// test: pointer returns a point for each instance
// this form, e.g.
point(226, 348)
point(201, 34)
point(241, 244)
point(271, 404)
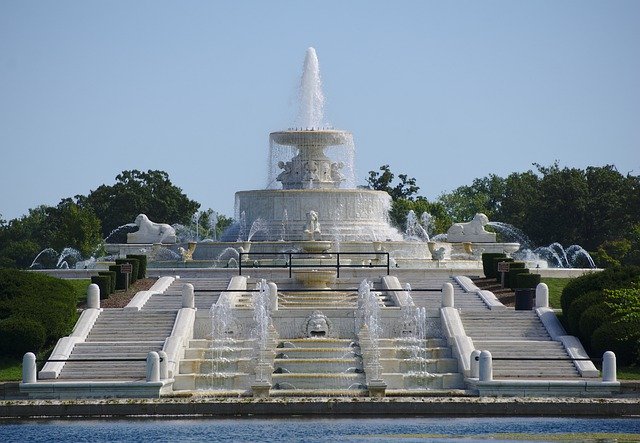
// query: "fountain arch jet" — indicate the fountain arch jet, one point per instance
point(311, 169)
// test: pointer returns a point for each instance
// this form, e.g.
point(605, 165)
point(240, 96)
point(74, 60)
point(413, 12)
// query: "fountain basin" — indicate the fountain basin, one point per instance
point(315, 278)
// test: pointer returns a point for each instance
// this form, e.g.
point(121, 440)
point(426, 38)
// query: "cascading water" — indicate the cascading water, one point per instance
point(262, 319)
point(222, 322)
point(414, 230)
point(242, 221)
point(369, 313)
point(258, 225)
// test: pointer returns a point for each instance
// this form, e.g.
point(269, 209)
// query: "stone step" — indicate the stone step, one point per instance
point(219, 365)
point(225, 381)
point(318, 381)
point(428, 381)
point(434, 366)
point(316, 343)
point(318, 365)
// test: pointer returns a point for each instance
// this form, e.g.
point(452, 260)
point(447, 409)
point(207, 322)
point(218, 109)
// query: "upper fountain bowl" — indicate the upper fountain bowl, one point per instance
point(311, 137)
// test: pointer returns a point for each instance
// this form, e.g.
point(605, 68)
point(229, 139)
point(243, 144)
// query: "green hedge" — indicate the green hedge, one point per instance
point(122, 279)
point(21, 335)
point(516, 267)
point(526, 280)
point(578, 306)
point(591, 319)
point(104, 283)
point(112, 277)
point(142, 262)
point(34, 298)
point(487, 263)
point(622, 337)
point(610, 278)
point(135, 267)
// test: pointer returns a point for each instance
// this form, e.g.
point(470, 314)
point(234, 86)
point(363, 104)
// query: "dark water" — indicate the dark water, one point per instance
point(308, 430)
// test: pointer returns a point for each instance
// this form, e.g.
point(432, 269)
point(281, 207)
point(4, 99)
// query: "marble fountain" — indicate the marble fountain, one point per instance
point(396, 317)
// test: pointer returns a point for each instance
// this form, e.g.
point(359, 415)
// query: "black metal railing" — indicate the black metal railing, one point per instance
point(290, 257)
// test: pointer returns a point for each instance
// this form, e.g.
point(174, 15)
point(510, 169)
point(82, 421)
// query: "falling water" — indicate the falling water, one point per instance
point(258, 225)
point(512, 234)
point(285, 225)
point(428, 222)
point(261, 317)
point(414, 230)
point(222, 321)
point(311, 100)
point(369, 310)
point(195, 219)
point(68, 253)
point(243, 227)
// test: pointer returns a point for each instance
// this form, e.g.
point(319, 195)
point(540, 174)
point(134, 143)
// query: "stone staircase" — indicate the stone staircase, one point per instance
point(432, 300)
point(412, 364)
point(206, 291)
point(119, 334)
point(318, 366)
point(517, 334)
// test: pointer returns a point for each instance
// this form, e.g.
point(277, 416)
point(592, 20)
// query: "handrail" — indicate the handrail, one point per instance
point(542, 358)
point(289, 263)
point(63, 360)
point(326, 290)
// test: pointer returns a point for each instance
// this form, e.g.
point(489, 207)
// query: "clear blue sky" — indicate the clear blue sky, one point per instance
point(442, 91)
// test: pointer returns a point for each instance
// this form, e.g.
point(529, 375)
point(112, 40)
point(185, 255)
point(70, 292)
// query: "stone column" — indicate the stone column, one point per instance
point(29, 368)
point(609, 367)
point(93, 296)
point(153, 367)
point(188, 297)
point(447, 295)
point(542, 296)
point(486, 366)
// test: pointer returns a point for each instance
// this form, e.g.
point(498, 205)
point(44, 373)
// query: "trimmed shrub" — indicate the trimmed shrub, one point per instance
point(46, 300)
point(122, 279)
point(487, 263)
point(527, 280)
point(515, 267)
point(104, 283)
point(112, 277)
point(142, 261)
point(611, 278)
point(135, 266)
point(576, 309)
point(19, 335)
point(622, 337)
point(591, 319)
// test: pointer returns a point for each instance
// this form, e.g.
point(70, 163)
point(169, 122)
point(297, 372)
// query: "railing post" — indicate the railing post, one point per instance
point(388, 267)
point(542, 295)
point(290, 263)
point(485, 372)
point(188, 297)
point(273, 296)
point(609, 366)
point(93, 296)
point(240, 254)
point(153, 367)
point(338, 265)
point(474, 364)
point(29, 368)
point(447, 295)
point(164, 365)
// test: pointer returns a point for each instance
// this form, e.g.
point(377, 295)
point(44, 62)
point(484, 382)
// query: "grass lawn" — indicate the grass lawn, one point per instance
point(10, 369)
point(556, 285)
point(80, 285)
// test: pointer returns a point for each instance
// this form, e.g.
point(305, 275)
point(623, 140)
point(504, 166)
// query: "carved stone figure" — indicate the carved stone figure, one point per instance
point(317, 325)
point(472, 231)
point(150, 232)
point(312, 227)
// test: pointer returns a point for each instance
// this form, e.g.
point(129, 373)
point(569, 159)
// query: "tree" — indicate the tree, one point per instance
point(406, 189)
point(483, 195)
point(135, 192)
point(59, 227)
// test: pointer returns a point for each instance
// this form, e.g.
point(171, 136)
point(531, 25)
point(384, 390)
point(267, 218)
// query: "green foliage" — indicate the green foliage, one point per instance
point(591, 319)
point(401, 207)
point(611, 278)
point(49, 301)
point(484, 195)
point(622, 337)
point(555, 285)
point(122, 281)
point(135, 192)
point(66, 225)
point(382, 181)
point(578, 306)
point(20, 335)
point(104, 282)
point(135, 267)
point(527, 280)
point(142, 264)
point(488, 263)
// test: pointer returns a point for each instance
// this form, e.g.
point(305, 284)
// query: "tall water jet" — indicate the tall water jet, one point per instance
point(310, 96)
